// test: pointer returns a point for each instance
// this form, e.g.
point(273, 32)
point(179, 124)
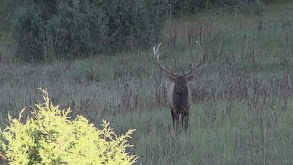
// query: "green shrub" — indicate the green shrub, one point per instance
point(180, 7)
point(191, 6)
point(50, 29)
point(49, 137)
point(254, 7)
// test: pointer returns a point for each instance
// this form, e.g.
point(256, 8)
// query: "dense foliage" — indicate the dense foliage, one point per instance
point(6, 8)
point(55, 28)
point(192, 6)
point(49, 29)
point(49, 137)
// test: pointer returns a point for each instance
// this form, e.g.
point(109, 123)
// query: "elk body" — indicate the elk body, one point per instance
point(179, 95)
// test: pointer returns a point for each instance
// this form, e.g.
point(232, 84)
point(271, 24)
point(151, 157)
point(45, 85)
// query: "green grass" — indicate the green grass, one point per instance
point(242, 136)
point(242, 94)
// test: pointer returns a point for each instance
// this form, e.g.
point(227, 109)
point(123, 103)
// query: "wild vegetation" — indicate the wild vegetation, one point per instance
point(50, 137)
point(242, 94)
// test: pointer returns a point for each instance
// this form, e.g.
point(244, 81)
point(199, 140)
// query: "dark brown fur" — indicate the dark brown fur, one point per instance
point(179, 100)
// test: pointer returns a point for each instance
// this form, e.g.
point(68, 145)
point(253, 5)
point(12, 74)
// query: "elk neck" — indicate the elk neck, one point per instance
point(180, 98)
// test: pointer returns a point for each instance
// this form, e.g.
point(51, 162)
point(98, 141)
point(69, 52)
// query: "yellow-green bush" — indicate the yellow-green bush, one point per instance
point(49, 137)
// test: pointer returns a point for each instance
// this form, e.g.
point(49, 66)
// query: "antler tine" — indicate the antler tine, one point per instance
point(157, 55)
point(200, 59)
point(173, 73)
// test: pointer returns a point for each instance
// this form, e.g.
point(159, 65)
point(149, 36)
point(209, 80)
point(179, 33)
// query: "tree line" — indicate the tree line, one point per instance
point(50, 29)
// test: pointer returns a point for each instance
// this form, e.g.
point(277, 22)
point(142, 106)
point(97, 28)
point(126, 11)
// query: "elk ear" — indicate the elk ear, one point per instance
point(189, 78)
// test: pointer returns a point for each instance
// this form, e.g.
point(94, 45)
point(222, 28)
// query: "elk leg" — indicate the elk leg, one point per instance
point(185, 119)
point(175, 117)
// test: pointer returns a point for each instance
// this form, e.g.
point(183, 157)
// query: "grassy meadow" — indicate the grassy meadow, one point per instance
point(242, 107)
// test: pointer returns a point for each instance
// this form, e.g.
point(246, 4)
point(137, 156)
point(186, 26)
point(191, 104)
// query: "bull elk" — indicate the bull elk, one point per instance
point(179, 95)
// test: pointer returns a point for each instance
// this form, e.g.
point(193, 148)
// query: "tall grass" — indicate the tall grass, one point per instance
point(242, 94)
point(216, 135)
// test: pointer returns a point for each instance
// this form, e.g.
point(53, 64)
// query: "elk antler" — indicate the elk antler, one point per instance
point(157, 55)
point(200, 59)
